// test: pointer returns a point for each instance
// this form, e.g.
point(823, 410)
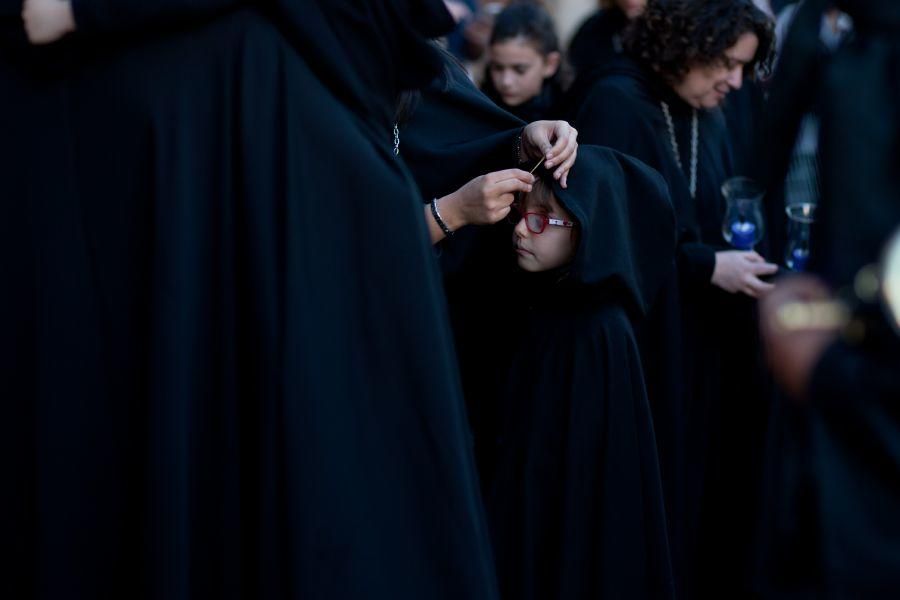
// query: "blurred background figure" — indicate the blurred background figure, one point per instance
point(792, 207)
point(600, 36)
point(834, 530)
point(524, 72)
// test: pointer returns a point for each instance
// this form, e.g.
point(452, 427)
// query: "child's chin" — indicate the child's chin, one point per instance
point(526, 263)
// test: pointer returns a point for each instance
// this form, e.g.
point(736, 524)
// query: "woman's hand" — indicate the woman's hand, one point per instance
point(47, 21)
point(484, 200)
point(738, 271)
point(556, 142)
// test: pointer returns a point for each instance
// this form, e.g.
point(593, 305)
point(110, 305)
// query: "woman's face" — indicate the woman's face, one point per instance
point(518, 70)
point(705, 86)
point(550, 249)
point(632, 8)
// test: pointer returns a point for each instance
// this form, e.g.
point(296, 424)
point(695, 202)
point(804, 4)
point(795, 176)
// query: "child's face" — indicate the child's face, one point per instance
point(518, 70)
point(552, 248)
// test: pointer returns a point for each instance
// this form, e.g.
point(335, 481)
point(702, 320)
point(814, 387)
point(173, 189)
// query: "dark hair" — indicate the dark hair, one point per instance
point(532, 23)
point(672, 36)
point(527, 21)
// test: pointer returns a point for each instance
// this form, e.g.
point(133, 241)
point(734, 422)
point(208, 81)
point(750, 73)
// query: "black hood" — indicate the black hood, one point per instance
point(626, 226)
point(369, 50)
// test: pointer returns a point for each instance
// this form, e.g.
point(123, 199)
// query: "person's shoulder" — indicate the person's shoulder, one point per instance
point(618, 85)
point(617, 95)
point(620, 78)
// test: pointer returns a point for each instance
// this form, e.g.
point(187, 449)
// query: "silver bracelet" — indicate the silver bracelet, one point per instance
point(437, 218)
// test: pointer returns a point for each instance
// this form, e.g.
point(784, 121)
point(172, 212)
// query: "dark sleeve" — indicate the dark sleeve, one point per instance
point(126, 15)
point(696, 262)
point(455, 134)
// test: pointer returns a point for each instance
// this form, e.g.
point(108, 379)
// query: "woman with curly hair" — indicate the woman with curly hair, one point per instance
point(660, 101)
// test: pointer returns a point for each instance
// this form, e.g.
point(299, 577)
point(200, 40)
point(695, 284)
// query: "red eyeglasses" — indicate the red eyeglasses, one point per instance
point(537, 222)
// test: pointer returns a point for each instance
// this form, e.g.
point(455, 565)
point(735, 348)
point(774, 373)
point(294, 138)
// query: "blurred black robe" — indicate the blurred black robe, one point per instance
point(232, 373)
point(833, 530)
point(598, 40)
point(699, 344)
point(576, 509)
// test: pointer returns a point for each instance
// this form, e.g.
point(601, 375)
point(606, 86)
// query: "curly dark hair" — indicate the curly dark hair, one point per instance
point(672, 36)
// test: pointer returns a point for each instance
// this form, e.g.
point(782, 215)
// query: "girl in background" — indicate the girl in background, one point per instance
point(524, 72)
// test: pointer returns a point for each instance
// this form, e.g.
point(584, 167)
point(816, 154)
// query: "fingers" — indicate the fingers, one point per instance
point(763, 268)
point(501, 214)
point(755, 288)
point(509, 186)
point(509, 174)
point(564, 145)
point(754, 257)
point(536, 137)
point(562, 173)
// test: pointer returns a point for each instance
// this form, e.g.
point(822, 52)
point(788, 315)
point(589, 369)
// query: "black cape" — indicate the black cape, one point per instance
point(541, 107)
point(233, 374)
point(576, 508)
point(455, 134)
point(699, 344)
point(833, 530)
point(598, 40)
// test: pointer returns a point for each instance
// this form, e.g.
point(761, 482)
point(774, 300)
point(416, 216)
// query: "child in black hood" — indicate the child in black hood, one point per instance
point(576, 507)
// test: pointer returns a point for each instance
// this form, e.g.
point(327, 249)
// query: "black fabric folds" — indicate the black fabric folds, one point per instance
point(597, 40)
point(454, 135)
point(576, 508)
point(840, 518)
point(699, 344)
point(232, 373)
point(627, 232)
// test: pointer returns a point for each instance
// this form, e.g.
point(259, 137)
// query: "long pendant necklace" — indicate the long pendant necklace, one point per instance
point(396, 139)
point(695, 138)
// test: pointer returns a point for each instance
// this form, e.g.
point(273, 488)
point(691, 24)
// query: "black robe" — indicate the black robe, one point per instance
point(233, 374)
point(542, 107)
point(455, 133)
point(834, 531)
point(576, 509)
point(598, 40)
point(703, 367)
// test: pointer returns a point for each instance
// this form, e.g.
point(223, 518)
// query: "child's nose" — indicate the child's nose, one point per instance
point(521, 229)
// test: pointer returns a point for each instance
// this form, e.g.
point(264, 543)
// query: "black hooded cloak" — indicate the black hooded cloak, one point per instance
point(576, 508)
point(700, 347)
point(233, 374)
point(454, 134)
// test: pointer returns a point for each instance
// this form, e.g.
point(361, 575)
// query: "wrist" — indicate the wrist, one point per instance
point(448, 208)
point(438, 217)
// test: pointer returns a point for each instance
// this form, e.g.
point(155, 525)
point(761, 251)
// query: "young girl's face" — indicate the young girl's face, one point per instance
point(552, 248)
point(518, 70)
